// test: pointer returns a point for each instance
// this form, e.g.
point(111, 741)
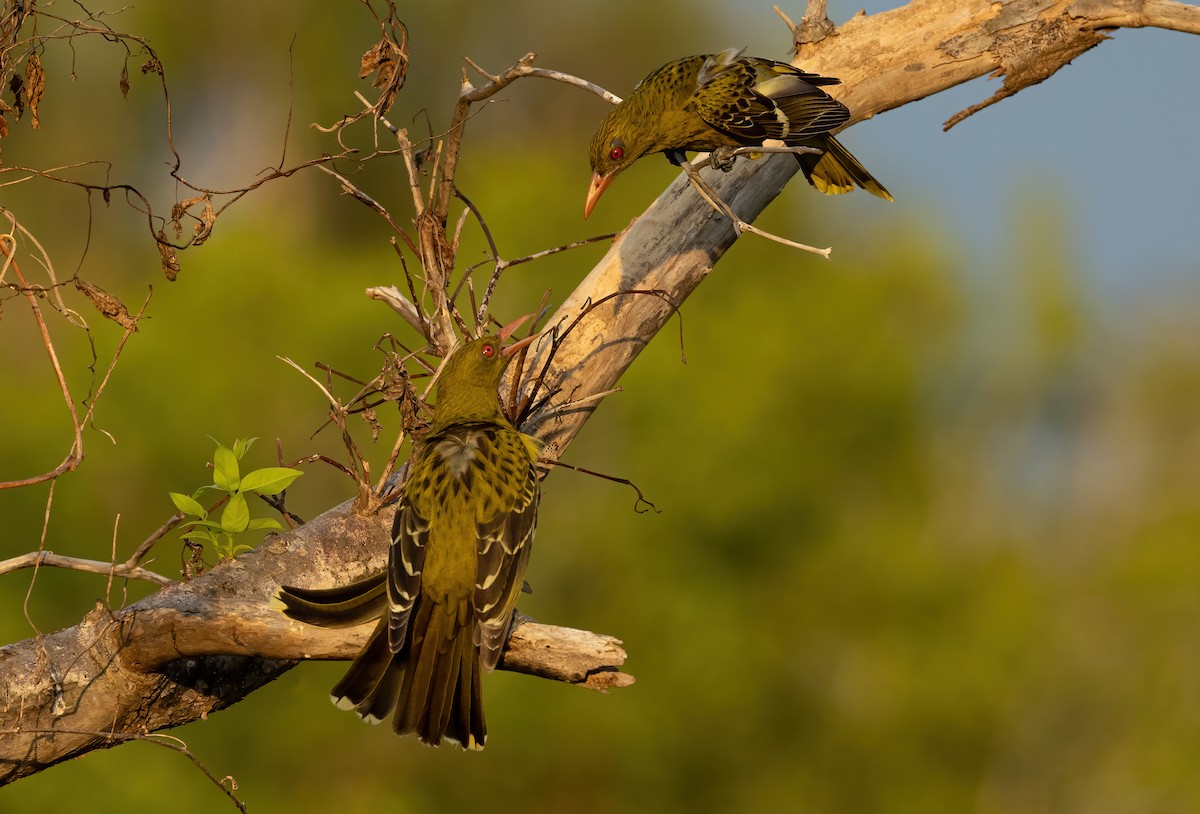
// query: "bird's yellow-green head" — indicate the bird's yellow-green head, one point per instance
point(467, 386)
point(618, 142)
point(658, 116)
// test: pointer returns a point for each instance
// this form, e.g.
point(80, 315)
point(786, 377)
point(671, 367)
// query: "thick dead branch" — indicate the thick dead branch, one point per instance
point(199, 626)
point(197, 647)
point(895, 57)
point(670, 249)
point(1168, 14)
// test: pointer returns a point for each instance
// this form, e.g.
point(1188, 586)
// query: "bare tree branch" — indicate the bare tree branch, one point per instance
point(124, 570)
point(197, 647)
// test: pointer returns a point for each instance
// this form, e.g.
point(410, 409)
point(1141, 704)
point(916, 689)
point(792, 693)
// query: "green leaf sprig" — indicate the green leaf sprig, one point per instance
point(220, 534)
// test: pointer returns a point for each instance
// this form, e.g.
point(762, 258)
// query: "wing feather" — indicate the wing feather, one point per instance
point(752, 100)
point(406, 560)
point(505, 527)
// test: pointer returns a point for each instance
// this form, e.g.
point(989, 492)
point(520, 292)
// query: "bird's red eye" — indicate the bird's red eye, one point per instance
point(616, 153)
point(488, 350)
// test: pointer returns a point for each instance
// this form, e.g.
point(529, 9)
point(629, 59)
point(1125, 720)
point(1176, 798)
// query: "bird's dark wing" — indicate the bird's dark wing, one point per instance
point(505, 526)
point(406, 559)
point(752, 100)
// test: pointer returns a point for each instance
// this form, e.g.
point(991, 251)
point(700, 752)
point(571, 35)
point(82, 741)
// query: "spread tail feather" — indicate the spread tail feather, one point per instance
point(349, 605)
point(441, 695)
point(433, 683)
point(371, 684)
point(836, 171)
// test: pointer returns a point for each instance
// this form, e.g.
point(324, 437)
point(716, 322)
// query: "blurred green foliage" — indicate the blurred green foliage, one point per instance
point(929, 521)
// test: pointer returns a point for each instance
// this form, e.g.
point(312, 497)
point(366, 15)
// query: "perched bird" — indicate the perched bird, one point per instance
point(727, 100)
point(460, 542)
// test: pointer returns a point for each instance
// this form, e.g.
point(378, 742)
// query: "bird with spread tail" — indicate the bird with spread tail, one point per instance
point(728, 100)
point(460, 543)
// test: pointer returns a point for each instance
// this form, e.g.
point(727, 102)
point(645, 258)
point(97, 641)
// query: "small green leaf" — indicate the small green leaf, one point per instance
point(263, 523)
point(236, 515)
point(225, 469)
point(200, 534)
point(242, 445)
point(188, 505)
point(208, 524)
point(269, 481)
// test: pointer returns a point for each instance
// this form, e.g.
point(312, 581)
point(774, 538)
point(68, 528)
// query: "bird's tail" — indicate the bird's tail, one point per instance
point(836, 171)
point(370, 686)
point(441, 695)
point(432, 684)
point(346, 606)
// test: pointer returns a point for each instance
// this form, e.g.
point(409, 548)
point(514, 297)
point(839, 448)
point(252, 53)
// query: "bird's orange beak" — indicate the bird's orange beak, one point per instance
point(511, 328)
point(599, 184)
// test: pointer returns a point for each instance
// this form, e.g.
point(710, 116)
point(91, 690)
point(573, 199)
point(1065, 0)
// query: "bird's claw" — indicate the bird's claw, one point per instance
point(722, 158)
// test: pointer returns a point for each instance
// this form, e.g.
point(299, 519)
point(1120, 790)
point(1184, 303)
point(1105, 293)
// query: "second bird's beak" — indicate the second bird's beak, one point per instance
point(599, 184)
point(511, 328)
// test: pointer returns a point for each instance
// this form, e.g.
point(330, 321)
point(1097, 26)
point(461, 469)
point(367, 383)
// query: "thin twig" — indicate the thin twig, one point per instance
point(156, 535)
point(531, 405)
point(765, 149)
point(128, 332)
point(361, 469)
point(547, 252)
point(353, 191)
point(75, 455)
point(471, 94)
point(155, 738)
point(35, 559)
point(576, 403)
point(640, 497)
point(714, 200)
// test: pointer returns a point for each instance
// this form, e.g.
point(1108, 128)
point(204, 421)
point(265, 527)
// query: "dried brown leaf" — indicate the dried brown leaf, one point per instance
point(107, 304)
point(35, 86)
point(389, 62)
point(15, 86)
point(372, 419)
point(180, 209)
point(170, 261)
point(374, 57)
point(208, 217)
